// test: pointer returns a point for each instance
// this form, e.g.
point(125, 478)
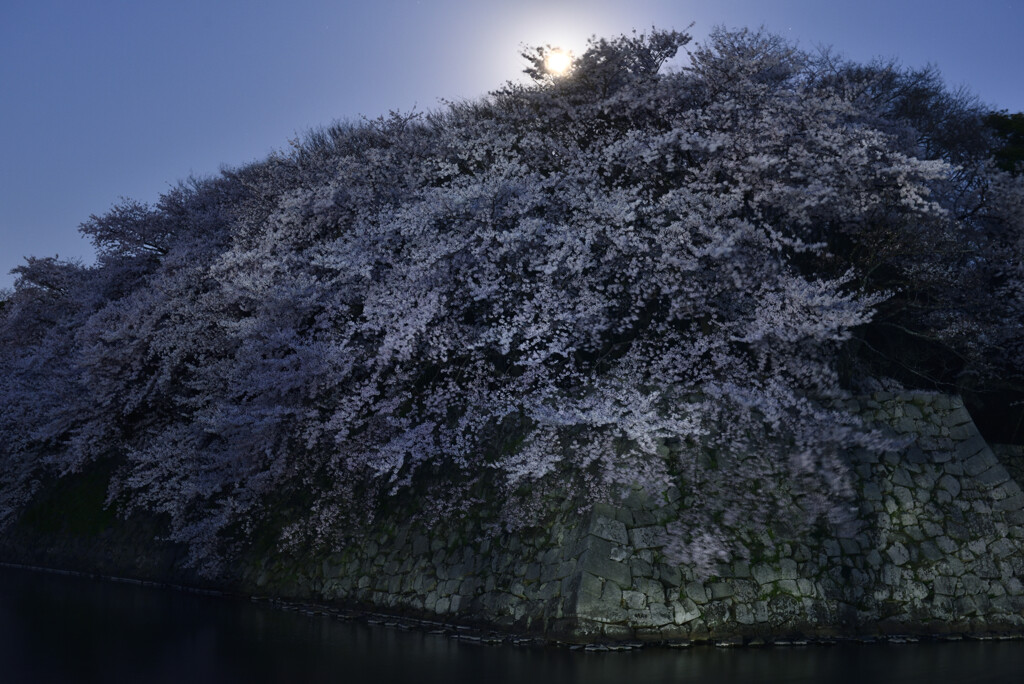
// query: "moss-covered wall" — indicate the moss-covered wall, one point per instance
point(939, 549)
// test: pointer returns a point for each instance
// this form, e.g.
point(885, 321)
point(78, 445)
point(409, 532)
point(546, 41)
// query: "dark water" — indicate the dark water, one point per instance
point(56, 628)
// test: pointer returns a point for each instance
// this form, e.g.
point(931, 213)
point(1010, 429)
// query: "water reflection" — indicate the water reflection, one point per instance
point(56, 628)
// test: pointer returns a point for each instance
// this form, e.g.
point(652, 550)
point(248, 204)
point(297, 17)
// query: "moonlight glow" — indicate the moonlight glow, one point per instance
point(557, 62)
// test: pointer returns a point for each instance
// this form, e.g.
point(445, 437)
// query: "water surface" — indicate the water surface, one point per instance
point(59, 628)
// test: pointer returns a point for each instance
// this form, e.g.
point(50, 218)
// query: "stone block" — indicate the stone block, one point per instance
point(647, 537)
point(958, 416)
point(972, 584)
point(744, 615)
point(620, 553)
point(684, 611)
point(850, 546)
point(640, 618)
point(904, 497)
point(977, 457)
point(603, 566)
point(566, 568)
point(590, 545)
point(945, 586)
point(954, 468)
point(1001, 548)
point(871, 492)
point(950, 484)
point(741, 570)
point(420, 545)
point(670, 575)
point(641, 568)
point(611, 594)
point(721, 590)
point(898, 553)
point(960, 432)
point(953, 566)
point(1011, 503)
point(788, 569)
point(588, 595)
point(550, 590)
point(977, 546)
point(610, 529)
point(765, 574)
point(996, 475)
point(926, 479)
point(470, 586)
point(931, 551)
point(906, 425)
point(761, 611)
point(945, 544)
point(653, 589)
point(901, 477)
point(634, 600)
point(965, 606)
point(1006, 490)
point(617, 632)
point(1013, 586)
point(661, 615)
point(552, 571)
point(644, 518)
point(696, 592)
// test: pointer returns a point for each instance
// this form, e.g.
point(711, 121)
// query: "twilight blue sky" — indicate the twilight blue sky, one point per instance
point(102, 99)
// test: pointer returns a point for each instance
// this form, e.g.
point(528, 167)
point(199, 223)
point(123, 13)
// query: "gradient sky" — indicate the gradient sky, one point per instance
point(103, 99)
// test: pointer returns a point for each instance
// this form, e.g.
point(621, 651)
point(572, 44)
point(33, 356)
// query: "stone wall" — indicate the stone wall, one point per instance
point(939, 550)
point(523, 582)
point(1011, 456)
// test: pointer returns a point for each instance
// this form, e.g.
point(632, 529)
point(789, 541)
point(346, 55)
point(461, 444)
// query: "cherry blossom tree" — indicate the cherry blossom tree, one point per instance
point(618, 278)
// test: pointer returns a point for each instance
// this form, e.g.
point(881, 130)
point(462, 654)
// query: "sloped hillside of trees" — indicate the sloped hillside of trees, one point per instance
point(624, 276)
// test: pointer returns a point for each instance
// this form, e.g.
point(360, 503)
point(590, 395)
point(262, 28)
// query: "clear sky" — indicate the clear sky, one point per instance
point(102, 99)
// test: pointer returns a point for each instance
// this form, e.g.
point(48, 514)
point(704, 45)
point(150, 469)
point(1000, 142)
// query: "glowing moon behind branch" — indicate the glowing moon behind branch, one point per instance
point(557, 62)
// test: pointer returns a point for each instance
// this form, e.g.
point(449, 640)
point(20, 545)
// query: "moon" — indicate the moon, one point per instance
point(557, 62)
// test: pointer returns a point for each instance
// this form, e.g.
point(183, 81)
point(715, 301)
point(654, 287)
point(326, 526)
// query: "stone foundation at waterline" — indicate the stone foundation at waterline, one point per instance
point(940, 550)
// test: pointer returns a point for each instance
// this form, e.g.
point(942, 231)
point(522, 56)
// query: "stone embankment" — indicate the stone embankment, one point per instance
point(939, 550)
